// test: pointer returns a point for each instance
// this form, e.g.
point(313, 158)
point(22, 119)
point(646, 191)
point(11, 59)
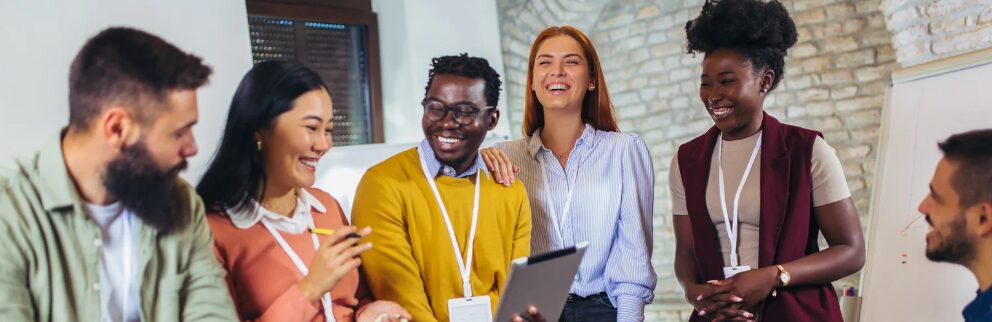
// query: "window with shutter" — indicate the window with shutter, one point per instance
point(340, 45)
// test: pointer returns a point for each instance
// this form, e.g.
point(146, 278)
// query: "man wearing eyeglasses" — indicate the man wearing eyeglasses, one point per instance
point(444, 232)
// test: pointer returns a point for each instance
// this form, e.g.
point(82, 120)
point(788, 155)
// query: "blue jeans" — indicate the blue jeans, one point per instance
point(593, 308)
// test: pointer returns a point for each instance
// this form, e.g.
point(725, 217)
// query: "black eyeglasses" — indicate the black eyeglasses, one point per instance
point(463, 113)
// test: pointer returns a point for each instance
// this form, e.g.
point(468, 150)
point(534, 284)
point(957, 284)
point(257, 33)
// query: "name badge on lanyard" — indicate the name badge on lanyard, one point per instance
point(325, 300)
point(468, 308)
point(732, 226)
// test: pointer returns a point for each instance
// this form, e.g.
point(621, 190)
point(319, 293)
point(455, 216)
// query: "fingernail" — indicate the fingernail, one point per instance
point(737, 299)
point(699, 298)
point(748, 315)
point(702, 313)
point(710, 281)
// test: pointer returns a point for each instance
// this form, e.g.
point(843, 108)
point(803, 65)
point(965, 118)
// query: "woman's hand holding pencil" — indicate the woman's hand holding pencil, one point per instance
point(336, 256)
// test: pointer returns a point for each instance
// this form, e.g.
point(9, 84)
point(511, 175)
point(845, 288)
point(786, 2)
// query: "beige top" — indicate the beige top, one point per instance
point(829, 185)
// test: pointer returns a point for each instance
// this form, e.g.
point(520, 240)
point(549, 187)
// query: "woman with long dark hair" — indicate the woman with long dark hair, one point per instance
point(751, 195)
point(266, 218)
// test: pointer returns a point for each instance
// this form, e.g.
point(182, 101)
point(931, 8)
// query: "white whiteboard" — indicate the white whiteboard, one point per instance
point(900, 284)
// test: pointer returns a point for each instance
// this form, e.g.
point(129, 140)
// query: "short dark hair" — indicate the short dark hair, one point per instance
point(466, 66)
point(237, 174)
point(972, 151)
point(762, 31)
point(130, 67)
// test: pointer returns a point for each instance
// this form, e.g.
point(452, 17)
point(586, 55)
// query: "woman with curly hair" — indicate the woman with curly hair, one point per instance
point(750, 195)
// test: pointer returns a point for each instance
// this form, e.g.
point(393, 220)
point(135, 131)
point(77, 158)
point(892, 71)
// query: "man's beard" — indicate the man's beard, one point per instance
point(152, 194)
point(955, 247)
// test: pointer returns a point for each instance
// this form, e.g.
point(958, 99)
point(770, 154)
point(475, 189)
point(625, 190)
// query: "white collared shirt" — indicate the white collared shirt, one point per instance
point(295, 224)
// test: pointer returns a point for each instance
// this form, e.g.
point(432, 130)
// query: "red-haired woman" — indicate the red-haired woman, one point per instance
point(586, 181)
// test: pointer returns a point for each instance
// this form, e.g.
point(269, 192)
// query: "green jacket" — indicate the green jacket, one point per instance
point(50, 253)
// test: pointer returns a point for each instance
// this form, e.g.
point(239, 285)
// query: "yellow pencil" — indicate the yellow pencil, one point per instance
point(322, 231)
point(325, 231)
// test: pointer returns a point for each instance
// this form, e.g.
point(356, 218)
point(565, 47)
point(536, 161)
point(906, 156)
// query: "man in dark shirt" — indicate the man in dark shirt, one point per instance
point(959, 211)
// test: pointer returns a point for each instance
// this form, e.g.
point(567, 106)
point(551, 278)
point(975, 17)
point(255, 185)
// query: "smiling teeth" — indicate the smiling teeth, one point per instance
point(554, 87)
point(447, 140)
point(312, 164)
point(721, 112)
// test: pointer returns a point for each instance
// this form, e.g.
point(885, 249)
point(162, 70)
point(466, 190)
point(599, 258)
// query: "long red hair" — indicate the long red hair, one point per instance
point(597, 109)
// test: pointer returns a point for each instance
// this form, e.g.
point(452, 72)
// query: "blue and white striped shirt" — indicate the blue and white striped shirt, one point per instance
point(612, 209)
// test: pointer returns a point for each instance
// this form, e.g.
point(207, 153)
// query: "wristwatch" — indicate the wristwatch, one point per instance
point(783, 276)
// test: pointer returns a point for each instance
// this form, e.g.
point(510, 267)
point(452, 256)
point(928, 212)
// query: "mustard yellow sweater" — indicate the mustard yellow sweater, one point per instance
point(411, 261)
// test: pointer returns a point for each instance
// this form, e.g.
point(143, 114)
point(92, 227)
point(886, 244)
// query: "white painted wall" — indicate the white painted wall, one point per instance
point(42, 37)
point(411, 32)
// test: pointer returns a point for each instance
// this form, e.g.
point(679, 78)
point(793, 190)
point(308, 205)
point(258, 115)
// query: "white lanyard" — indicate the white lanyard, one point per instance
point(325, 300)
point(732, 228)
point(128, 266)
point(553, 211)
point(464, 267)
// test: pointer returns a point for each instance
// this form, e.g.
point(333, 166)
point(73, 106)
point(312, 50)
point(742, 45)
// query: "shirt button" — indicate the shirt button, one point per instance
point(96, 287)
point(97, 242)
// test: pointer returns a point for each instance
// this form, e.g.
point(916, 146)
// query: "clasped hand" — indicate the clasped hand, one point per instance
point(733, 299)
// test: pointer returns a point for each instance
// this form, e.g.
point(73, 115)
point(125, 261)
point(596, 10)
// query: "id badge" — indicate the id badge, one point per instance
point(730, 271)
point(472, 309)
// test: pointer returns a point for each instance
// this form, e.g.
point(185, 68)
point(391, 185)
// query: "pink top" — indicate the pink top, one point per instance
point(262, 278)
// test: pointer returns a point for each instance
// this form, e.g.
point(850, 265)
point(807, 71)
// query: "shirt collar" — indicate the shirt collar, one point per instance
point(437, 168)
point(534, 144)
point(301, 220)
point(52, 176)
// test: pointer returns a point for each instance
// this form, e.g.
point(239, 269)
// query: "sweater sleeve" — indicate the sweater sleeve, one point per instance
point(392, 272)
point(521, 233)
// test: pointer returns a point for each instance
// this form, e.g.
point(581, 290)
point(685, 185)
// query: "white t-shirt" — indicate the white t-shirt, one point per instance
point(113, 219)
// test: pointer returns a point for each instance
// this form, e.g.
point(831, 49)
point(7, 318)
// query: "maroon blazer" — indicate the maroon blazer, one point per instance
point(788, 229)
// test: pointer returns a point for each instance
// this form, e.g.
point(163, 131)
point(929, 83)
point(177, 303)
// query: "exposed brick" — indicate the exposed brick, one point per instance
point(666, 49)
point(814, 94)
point(961, 42)
point(819, 109)
point(985, 18)
point(852, 26)
point(798, 82)
point(872, 73)
point(828, 29)
point(648, 12)
point(803, 50)
point(841, 44)
point(950, 7)
point(840, 10)
point(810, 16)
point(816, 63)
point(843, 92)
point(854, 152)
point(858, 58)
point(836, 77)
point(948, 25)
point(858, 104)
point(829, 123)
point(903, 17)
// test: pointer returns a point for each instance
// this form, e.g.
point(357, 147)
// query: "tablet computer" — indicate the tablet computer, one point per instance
point(542, 281)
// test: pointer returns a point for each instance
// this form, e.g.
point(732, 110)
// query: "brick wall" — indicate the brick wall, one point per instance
point(835, 82)
point(924, 31)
